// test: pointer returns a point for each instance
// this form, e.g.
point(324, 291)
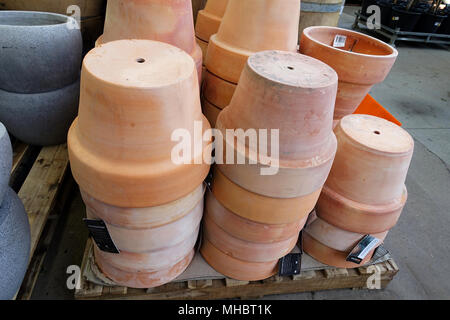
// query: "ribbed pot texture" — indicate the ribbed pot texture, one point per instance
point(363, 62)
point(167, 21)
point(134, 95)
point(209, 19)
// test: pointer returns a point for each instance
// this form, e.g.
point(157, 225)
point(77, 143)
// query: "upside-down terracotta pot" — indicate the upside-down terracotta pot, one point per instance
point(258, 208)
point(295, 95)
point(134, 95)
point(143, 279)
point(365, 191)
point(210, 111)
point(209, 19)
point(361, 63)
point(217, 91)
point(167, 21)
point(235, 268)
point(248, 230)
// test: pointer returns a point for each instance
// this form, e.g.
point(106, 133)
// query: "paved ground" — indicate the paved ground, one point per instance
point(417, 92)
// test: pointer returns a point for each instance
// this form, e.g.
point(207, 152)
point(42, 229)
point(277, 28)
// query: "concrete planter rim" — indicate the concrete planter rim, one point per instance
point(60, 19)
point(393, 54)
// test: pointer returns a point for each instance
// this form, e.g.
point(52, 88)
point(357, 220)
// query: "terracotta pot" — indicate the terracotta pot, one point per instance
point(218, 91)
point(167, 21)
point(362, 63)
point(329, 256)
point(246, 250)
point(204, 47)
point(141, 240)
point(246, 229)
point(210, 111)
point(248, 27)
point(259, 208)
point(209, 19)
point(151, 261)
point(143, 279)
point(120, 151)
point(294, 94)
point(235, 268)
point(334, 237)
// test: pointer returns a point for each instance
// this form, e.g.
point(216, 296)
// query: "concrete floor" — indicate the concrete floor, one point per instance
point(417, 92)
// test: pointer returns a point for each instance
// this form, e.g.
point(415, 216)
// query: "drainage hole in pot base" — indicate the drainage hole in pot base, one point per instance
point(140, 60)
point(290, 68)
point(377, 132)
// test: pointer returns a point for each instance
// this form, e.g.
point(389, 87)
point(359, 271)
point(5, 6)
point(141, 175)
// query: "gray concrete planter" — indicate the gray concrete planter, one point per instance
point(14, 245)
point(5, 161)
point(39, 51)
point(40, 119)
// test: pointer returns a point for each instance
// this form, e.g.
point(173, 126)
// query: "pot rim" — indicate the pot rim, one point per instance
point(393, 54)
point(61, 19)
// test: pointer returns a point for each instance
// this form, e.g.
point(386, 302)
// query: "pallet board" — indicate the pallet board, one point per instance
point(225, 288)
point(43, 192)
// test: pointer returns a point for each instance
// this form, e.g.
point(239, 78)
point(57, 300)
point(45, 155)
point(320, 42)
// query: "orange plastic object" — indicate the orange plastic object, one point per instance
point(371, 107)
point(209, 19)
point(142, 280)
point(235, 268)
point(361, 63)
point(134, 94)
point(167, 21)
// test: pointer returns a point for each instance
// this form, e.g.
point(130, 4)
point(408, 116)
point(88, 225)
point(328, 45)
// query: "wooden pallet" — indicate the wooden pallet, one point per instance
point(307, 281)
point(38, 175)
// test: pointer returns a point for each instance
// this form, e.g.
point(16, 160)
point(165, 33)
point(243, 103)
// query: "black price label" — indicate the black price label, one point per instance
point(99, 232)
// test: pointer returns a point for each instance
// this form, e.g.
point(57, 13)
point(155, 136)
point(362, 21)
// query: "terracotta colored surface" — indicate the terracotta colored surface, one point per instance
point(246, 250)
point(167, 21)
point(334, 237)
point(151, 261)
point(209, 19)
point(235, 268)
point(143, 279)
point(210, 111)
point(259, 208)
point(143, 240)
point(372, 160)
point(246, 229)
point(371, 107)
point(218, 91)
point(120, 151)
point(251, 26)
point(368, 63)
point(357, 217)
point(145, 218)
point(204, 47)
point(328, 255)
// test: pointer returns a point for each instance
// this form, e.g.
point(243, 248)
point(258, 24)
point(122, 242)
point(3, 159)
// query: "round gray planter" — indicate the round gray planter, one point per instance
point(14, 245)
point(39, 51)
point(40, 119)
point(5, 161)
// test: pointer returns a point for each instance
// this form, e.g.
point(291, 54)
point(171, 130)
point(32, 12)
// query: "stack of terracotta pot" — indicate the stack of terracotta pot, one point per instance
point(253, 217)
point(169, 21)
point(208, 22)
point(247, 27)
point(365, 192)
point(360, 61)
point(134, 94)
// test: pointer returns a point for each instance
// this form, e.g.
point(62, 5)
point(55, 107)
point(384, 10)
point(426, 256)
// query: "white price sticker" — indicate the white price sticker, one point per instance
point(339, 41)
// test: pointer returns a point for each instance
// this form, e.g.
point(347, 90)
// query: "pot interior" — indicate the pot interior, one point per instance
point(30, 19)
point(355, 42)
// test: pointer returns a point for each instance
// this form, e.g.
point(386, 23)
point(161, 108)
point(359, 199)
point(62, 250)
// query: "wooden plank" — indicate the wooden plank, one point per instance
point(38, 193)
point(19, 151)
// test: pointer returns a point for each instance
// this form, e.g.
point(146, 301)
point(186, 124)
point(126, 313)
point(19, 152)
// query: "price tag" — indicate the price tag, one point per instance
point(339, 41)
point(99, 232)
point(362, 249)
point(290, 265)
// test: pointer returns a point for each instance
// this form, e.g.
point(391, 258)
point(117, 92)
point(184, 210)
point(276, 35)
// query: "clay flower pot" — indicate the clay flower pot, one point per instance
point(235, 268)
point(209, 19)
point(40, 51)
point(294, 94)
point(167, 21)
point(120, 151)
point(217, 91)
point(248, 230)
point(5, 161)
point(363, 62)
point(143, 279)
point(365, 191)
point(14, 244)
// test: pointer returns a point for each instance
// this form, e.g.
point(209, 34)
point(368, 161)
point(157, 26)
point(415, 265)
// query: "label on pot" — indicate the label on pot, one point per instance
point(290, 265)
point(339, 41)
point(362, 249)
point(99, 232)
point(395, 18)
